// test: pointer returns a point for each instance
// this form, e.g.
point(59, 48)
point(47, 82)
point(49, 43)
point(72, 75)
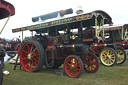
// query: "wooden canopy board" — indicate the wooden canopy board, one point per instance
point(87, 19)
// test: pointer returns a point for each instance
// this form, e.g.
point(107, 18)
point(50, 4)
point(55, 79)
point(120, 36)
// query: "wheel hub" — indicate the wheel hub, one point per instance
point(91, 63)
point(71, 66)
point(108, 57)
point(73, 62)
point(30, 56)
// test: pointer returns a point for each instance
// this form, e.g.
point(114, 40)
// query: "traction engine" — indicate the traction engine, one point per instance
point(55, 43)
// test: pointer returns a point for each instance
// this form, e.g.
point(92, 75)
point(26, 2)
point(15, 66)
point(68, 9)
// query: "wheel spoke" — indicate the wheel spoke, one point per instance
point(35, 63)
point(73, 72)
point(27, 64)
point(25, 58)
point(68, 64)
point(35, 59)
point(34, 50)
point(93, 66)
point(28, 48)
point(31, 48)
point(25, 51)
point(94, 63)
point(31, 66)
point(112, 60)
point(35, 54)
point(77, 69)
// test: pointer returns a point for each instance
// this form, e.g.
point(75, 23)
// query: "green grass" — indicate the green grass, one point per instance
point(116, 75)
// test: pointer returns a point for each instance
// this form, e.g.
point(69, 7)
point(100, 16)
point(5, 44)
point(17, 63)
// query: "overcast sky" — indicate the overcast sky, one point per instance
point(26, 9)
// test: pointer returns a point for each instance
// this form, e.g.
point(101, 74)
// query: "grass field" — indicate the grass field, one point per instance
point(116, 75)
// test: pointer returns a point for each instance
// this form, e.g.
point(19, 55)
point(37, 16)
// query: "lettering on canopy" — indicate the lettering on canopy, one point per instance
point(54, 23)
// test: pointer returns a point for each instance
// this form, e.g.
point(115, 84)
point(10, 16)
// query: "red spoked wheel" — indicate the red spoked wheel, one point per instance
point(92, 64)
point(32, 56)
point(73, 66)
point(17, 48)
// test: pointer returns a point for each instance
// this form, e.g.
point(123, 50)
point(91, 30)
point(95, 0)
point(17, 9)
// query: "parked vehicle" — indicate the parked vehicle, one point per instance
point(119, 36)
point(55, 44)
point(109, 43)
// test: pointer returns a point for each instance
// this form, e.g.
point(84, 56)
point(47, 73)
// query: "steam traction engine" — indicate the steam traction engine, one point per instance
point(110, 45)
point(55, 44)
point(118, 35)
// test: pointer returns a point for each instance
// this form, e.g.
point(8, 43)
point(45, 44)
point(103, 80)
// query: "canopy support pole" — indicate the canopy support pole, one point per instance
point(96, 29)
point(22, 36)
point(5, 24)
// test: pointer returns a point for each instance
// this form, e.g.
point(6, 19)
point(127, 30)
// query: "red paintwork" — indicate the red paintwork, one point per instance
point(29, 65)
point(87, 40)
point(98, 47)
point(123, 43)
point(50, 47)
point(75, 70)
point(126, 45)
point(6, 9)
point(92, 64)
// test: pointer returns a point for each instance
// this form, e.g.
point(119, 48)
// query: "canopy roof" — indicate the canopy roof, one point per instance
point(87, 19)
point(6, 9)
point(119, 27)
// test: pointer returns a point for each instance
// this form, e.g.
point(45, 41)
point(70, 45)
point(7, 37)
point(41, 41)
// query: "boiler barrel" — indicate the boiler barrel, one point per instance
point(52, 15)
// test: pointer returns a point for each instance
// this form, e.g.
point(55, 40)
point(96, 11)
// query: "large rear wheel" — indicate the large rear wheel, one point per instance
point(32, 56)
point(73, 66)
point(92, 64)
point(121, 55)
point(108, 57)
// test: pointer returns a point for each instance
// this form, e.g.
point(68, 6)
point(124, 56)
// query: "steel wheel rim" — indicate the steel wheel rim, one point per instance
point(29, 56)
point(92, 64)
point(107, 57)
point(120, 55)
point(72, 66)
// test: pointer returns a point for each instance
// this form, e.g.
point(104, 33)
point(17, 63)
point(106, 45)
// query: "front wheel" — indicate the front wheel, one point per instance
point(91, 64)
point(108, 57)
point(73, 66)
point(121, 55)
